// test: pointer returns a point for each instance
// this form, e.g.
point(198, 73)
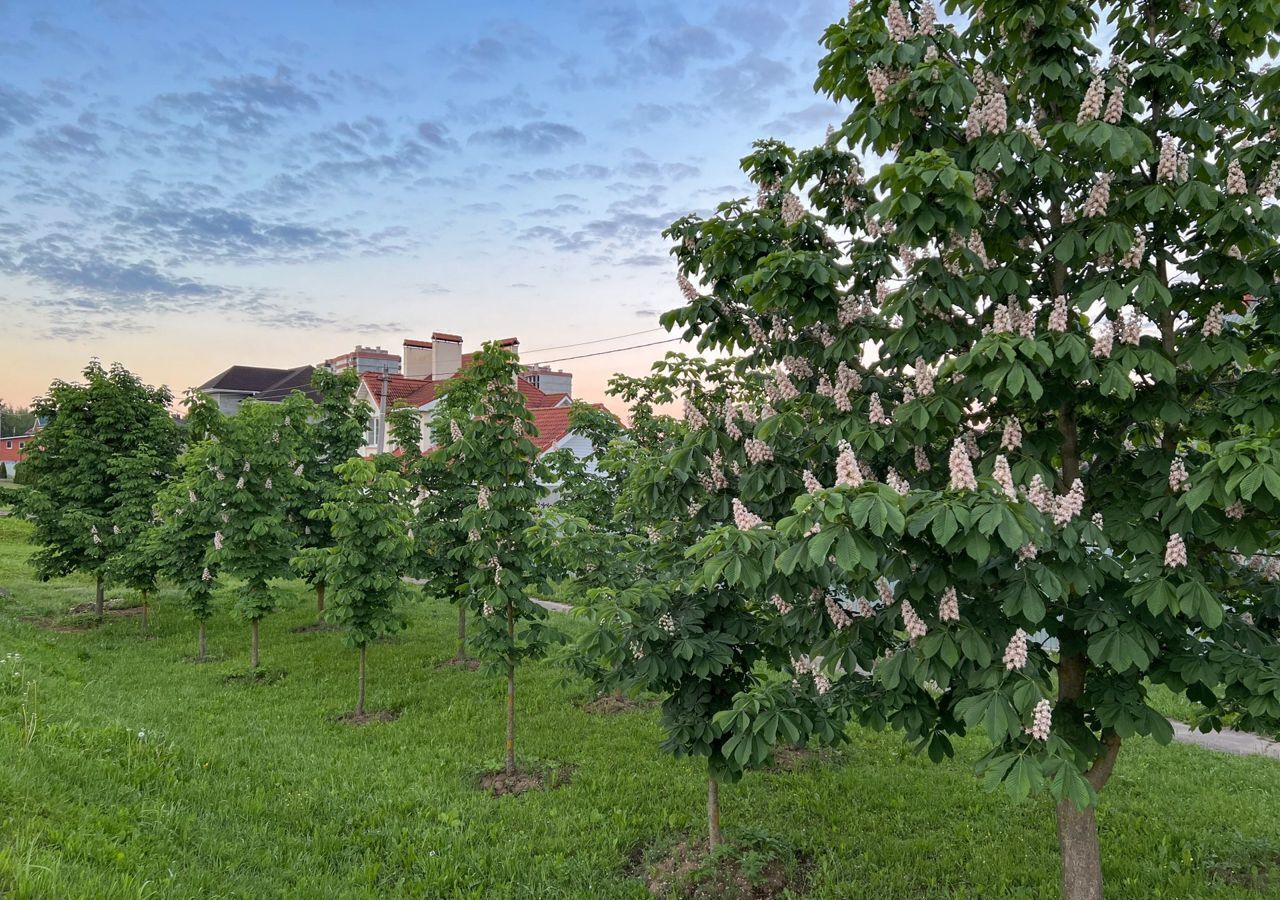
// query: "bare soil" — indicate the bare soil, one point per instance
point(314, 628)
point(367, 718)
point(524, 780)
point(686, 872)
point(469, 663)
point(256, 676)
point(612, 705)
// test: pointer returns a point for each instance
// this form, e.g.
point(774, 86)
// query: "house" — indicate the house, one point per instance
point(239, 383)
point(13, 450)
point(429, 364)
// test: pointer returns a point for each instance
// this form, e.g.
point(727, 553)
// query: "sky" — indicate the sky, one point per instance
point(190, 185)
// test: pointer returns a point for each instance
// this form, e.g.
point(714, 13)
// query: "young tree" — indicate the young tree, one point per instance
point(73, 465)
point(335, 435)
point(181, 542)
point(663, 622)
point(136, 563)
point(492, 451)
point(370, 521)
point(249, 469)
point(1027, 446)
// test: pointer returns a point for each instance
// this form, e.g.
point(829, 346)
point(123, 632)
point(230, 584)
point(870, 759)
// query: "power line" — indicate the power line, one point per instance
point(607, 352)
point(616, 337)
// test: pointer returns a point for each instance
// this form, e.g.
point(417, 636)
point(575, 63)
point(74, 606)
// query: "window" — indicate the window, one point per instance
point(8, 445)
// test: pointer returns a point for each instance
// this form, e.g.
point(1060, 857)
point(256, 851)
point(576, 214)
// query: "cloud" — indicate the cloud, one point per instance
point(62, 142)
point(747, 85)
point(62, 262)
point(758, 24)
point(243, 105)
point(432, 289)
point(533, 138)
point(815, 115)
point(644, 260)
point(16, 108)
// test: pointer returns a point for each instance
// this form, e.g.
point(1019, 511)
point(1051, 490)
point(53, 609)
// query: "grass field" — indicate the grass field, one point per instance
point(131, 772)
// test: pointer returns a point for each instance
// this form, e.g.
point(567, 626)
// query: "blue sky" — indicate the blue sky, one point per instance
point(189, 185)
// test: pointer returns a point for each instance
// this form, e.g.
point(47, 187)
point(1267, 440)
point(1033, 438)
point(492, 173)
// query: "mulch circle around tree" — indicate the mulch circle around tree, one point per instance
point(88, 609)
point(255, 677)
point(795, 759)
point(684, 872)
point(470, 664)
point(50, 623)
point(369, 718)
point(500, 784)
point(612, 705)
point(313, 628)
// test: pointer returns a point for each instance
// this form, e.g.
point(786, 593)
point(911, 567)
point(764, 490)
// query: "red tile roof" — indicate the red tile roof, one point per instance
point(552, 425)
point(416, 391)
point(425, 345)
point(441, 336)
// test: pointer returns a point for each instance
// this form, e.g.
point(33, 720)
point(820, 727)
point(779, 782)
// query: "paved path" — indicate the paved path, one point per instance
point(1227, 741)
point(545, 604)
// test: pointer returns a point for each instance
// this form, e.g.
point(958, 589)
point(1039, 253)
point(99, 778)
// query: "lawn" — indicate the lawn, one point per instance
point(133, 772)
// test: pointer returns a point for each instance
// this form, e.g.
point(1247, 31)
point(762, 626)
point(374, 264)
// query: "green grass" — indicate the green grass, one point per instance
point(253, 790)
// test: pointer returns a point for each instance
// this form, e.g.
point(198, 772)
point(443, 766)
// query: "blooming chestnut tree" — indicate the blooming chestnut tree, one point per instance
point(80, 494)
point(491, 450)
point(1015, 458)
point(335, 435)
point(248, 470)
point(369, 518)
point(664, 622)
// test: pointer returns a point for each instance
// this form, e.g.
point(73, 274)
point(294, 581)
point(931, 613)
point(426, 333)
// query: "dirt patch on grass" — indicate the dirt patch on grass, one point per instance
point(110, 609)
point(735, 872)
point(50, 623)
point(613, 704)
point(313, 628)
point(796, 759)
point(500, 784)
point(469, 663)
point(256, 676)
point(368, 718)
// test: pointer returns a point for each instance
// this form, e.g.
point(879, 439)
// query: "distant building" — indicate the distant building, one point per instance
point(13, 450)
point(239, 383)
point(412, 377)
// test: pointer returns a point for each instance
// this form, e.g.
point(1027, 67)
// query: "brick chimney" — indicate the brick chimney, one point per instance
point(418, 360)
point(446, 355)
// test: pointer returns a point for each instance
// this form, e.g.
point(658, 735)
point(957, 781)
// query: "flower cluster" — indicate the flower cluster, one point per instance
point(667, 624)
point(1131, 328)
point(1058, 315)
point(1115, 106)
point(811, 483)
point(1103, 342)
point(792, 209)
point(1235, 511)
point(884, 590)
point(1270, 185)
point(455, 430)
point(1091, 105)
point(217, 540)
point(1041, 721)
point(1236, 183)
point(1015, 654)
point(875, 411)
point(93, 533)
point(1133, 257)
point(1175, 552)
point(988, 114)
point(899, 28)
point(912, 623)
point(1173, 164)
point(1069, 505)
point(1178, 477)
point(782, 606)
point(922, 460)
point(924, 377)
point(1004, 477)
point(757, 451)
point(949, 606)
point(1011, 437)
point(806, 666)
point(686, 288)
point(744, 518)
point(897, 482)
point(1099, 197)
point(848, 472)
point(962, 477)
point(482, 497)
point(839, 617)
point(1213, 322)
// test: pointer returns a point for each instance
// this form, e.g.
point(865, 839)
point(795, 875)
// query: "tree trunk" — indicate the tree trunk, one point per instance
point(144, 611)
point(1078, 843)
point(511, 696)
point(713, 814)
point(253, 645)
point(320, 598)
point(360, 695)
point(200, 656)
point(462, 632)
point(98, 599)
point(1081, 854)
